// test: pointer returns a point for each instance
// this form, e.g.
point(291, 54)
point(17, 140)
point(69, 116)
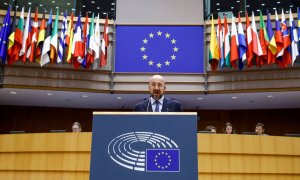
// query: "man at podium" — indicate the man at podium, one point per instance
point(157, 101)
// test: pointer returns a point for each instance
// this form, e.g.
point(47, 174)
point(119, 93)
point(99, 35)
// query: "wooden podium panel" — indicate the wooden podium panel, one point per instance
point(66, 156)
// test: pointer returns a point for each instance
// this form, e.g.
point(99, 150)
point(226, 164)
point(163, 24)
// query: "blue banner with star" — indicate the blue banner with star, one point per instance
point(176, 49)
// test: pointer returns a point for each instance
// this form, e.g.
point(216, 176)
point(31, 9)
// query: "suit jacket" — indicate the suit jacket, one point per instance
point(169, 105)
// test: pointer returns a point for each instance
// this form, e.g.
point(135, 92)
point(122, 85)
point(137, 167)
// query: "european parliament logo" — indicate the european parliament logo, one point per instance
point(145, 151)
point(160, 49)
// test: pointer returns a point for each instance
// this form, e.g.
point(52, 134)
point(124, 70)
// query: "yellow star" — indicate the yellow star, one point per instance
point(159, 33)
point(173, 41)
point(145, 41)
point(173, 57)
point(145, 57)
point(143, 49)
point(158, 65)
point(175, 49)
point(168, 35)
point(151, 35)
point(167, 63)
point(150, 63)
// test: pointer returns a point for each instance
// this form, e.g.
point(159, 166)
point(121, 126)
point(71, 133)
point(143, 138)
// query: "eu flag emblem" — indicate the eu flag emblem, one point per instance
point(159, 49)
point(162, 160)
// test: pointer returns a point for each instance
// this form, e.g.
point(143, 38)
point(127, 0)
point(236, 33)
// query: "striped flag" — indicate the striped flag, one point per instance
point(242, 44)
point(41, 39)
point(105, 44)
point(234, 53)
point(278, 38)
point(11, 40)
point(91, 52)
point(34, 37)
point(220, 42)
point(286, 58)
point(4, 33)
point(62, 39)
point(77, 46)
point(86, 39)
point(226, 43)
point(256, 45)
point(213, 47)
point(18, 36)
point(249, 52)
point(96, 46)
point(272, 48)
point(69, 38)
point(298, 26)
point(54, 39)
point(294, 38)
point(46, 46)
point(26, 38)
point(264, 41)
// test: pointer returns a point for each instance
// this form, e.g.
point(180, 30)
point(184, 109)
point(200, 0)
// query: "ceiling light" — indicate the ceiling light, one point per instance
point(263, 4)
point(200, 98)
point(278, 2)
point(112, 9)
point(257, 10)
point(13, 92)
point(104, 13)
point(98, 7)
point(241, 11)
point(231, 7)
point(218, 9)
point(234, 97)
point(57, 7)
point(218, 4)
point(112, 3)
point(286, 12)
point(5, 3)
point(53, 1)
point(247, 5)
point(49, 94)
point(85, 96)
point(291, 5)
point(270, 96)
point(119, 98)
point(29, 3)
point(92, 2)
point(238, 1)
point(41, 5)
point(274, 8)
point(69, 4)
point(61, 13)
point(83, 6)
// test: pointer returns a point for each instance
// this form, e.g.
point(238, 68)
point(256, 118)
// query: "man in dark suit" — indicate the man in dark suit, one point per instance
point(157, 101)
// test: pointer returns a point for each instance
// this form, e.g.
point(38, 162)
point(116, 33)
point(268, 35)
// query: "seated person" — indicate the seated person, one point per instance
point(211, 129)
point(259, 129)
point(76, 127)
point(228, 128)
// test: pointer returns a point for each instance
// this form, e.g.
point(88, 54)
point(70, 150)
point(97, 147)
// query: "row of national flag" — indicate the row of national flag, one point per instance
point(45, 43)
point(236, 48)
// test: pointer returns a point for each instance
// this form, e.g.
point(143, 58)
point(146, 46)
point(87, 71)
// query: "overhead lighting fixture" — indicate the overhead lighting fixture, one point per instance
point(270, 96)
point(98, 7)
point(93, 2)
point(231, 7)
point(5, 3)
point(104, 13)
point(69, 4)
point(83, 6)
point(218, 4)
point(241, 11)
point(278, 2)
point(13, 92)
point(234, 97)
point(49, 94)
point(200, 98)
point(112, 9)
point(41, 5)
point(85, 96)
point(113, 3)
point(291, 5)
point(53, 1)
point(263, 4)
point(257, 10)
point(29, 3)
point(218, 9)
point(238, 1)
point(119, 98)
point(247, 5)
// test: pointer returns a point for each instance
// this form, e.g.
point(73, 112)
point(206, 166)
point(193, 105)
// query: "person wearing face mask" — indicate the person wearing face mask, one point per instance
point(158, 102)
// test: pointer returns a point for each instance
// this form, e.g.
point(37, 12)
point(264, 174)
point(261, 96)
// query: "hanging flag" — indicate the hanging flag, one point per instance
point(4, 33)
point(264, 41)
point(234, 53)
point(85, 39)
point(294, 39)
point(286, 58)
point(91, 52)
point(242, 44)
point(46, 46)
point(34, 37)
point(18, 37)
point(26, 38)
point(249, 52)
point(298, 26)
point(62, 39)
point(213, 47)
point(11, 40)
point(105, 44)
point(278, 38)
point(220, 42)
point(41, 39)
point(53, 40)
point(77, 47)
point(256, 45)
point(96, 46)
point(272, 48)
point(226, 43)
point(69, 38)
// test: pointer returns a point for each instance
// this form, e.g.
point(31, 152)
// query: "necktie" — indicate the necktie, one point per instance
point(156, 106)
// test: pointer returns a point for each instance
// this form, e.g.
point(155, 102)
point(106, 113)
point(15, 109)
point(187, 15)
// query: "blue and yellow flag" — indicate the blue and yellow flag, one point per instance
point(160, 49)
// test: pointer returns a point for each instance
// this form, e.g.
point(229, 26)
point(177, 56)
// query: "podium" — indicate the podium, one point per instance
point(144, 146)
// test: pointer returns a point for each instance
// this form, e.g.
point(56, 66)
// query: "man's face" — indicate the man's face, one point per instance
point(157, 88)
point(259, 130)
point(76, 128)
